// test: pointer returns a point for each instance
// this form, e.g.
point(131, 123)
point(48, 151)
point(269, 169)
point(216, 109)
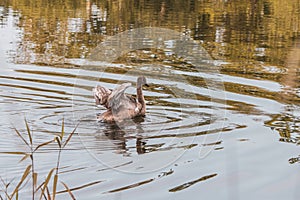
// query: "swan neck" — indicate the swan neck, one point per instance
point(140, 95)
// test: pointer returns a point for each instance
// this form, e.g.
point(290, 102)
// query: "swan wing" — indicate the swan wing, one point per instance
point(101, 95)
point(117, 98)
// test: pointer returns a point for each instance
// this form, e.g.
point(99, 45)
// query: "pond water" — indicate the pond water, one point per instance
point(222, 109)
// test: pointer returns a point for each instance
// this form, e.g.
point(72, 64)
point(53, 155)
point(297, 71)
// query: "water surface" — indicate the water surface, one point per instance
point(242, 142)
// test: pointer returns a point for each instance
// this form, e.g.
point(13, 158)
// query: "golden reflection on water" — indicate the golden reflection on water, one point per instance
point(244, 32)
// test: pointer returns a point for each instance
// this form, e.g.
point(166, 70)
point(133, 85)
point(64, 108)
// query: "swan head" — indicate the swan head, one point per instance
point(142, 81)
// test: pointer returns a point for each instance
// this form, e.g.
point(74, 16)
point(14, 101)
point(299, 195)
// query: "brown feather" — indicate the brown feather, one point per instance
point(101, 95)
point(119, 105)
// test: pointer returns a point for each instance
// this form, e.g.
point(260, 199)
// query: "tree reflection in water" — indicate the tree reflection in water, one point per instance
point(287, 124)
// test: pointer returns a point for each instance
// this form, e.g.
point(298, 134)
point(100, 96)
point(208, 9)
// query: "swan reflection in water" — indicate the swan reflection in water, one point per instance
point(121, 133)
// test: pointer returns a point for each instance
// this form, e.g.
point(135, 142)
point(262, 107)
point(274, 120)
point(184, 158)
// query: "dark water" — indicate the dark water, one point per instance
point(222, 107)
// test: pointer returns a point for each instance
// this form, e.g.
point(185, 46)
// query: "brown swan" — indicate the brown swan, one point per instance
point(120, 106)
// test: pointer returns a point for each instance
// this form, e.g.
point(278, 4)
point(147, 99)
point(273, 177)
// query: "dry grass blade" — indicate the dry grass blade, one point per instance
point(40, 186)
point(62, 129)
point(35, 175)
point(54, 186)
point(7, 195)
point(48, 197)
point(25, 174)
point(3, 183)
point(48, 193)
point(46, 182)
point(19, 134)
point(25, 157)
point(70, 136)
point(14, 152)
point(43, 144)
point(57, 139)
point(69, 191)
point(5, 190)
point(28, 131)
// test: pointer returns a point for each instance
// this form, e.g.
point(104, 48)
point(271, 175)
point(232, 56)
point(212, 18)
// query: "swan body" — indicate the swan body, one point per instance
point(119, 105)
